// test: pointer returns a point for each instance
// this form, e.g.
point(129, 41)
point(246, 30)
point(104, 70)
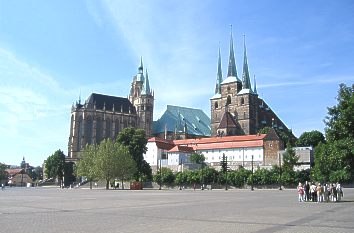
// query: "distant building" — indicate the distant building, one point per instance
point(103, 116)
point(306, 157)
point(182, 123)
point(239, 150)
point(236, 108)
point(18, 177)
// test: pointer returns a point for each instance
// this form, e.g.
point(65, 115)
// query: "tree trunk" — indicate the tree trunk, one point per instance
point(107, 184)
point(90, 184)
point(122, 184)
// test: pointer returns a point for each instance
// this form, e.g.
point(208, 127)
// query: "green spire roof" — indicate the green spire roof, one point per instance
point(146, 86)
point(218, 76)
point(141, 67)
point(255, 86)
point(246, 83)
point(232, 72)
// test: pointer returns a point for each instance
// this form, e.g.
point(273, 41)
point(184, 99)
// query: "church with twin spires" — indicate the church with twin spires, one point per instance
point(236, 108)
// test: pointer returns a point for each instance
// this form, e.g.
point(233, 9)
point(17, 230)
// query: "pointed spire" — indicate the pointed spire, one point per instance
point(231, 71)
point(141, 67)
point(255, 85)
point(246, 83)
point(146, 86)
point(219, 75)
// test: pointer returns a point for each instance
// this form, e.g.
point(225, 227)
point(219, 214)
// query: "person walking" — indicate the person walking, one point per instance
point(319, 193)
point(339, 192)
point(300, 191)
point(307, 191)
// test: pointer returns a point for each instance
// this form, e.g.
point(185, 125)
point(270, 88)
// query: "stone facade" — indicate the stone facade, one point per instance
point(103, 116)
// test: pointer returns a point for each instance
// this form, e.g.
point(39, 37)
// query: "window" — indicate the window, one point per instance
point(228, 101)
point(228, 89)
point(242, 101)
point(216, 105)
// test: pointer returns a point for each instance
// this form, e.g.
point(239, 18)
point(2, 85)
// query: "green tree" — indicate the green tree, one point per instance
point(290, 159)
point(197, 158)
point(337, 156)
point(126, 166)
point(55, 165)
point(86, 165)
point(167, 176)
point(3, 173)
point(135, 140)
point(223, 164)
point(312, 138)
point(181, 178)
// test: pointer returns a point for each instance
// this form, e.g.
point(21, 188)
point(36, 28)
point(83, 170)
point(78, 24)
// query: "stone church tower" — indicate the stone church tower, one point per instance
point(103, 116)
point(236, 108)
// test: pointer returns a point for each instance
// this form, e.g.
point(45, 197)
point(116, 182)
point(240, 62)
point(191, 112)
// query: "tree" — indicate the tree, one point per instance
point(107, 161)
point(3, 173)
point(135, 140)
point(166, 177)
point(126, 166)
point(290, 159)
point(334, 161)
point(197, 158)
point(86, 165)
point(312, 138)
point(55, 166)
point(223, 164)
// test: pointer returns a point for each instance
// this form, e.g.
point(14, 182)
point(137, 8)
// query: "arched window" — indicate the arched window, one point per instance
point(99, 130)
point(228, 101)
point(216, 105)
point(79, 133)
point(228, 89)
point(117, 128)
point(242, 101)
point(88, 130)
point(108, 128)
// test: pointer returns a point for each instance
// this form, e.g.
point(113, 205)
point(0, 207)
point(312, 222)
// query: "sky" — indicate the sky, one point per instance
point(53, 52)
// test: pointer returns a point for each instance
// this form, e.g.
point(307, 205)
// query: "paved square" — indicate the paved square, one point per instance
point(82, 210)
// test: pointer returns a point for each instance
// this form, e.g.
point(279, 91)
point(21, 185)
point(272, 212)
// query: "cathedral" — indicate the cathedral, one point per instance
point(236, 108)
point(104, 116)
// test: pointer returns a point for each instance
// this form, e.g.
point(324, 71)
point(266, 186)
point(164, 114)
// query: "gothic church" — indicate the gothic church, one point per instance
point(103, 116)
point(236, 108)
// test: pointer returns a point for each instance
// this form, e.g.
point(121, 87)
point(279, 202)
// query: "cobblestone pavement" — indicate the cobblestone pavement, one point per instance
point(82, 210)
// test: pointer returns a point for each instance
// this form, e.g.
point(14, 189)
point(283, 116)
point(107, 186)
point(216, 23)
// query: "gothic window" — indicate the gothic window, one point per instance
point(108, 128)
point(242, 101)
point(228, 101)
point(71, 125)
point(79, 133)
point(228, 89)
point(142, 108)
point(216, 105)
point(88, 130)
point(117, 127)
point(99, 130)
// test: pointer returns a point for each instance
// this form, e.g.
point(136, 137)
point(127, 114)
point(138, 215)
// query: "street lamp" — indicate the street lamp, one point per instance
point(280, 171)
point(160, 175)
point(252, 175)
point(226, 173)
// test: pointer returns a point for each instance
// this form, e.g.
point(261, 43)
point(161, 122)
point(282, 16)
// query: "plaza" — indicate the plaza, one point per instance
point(50, 210)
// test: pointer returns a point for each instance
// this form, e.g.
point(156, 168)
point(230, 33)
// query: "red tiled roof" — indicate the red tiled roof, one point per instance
point(186, 149)
point(13, 171)
point(220, 139)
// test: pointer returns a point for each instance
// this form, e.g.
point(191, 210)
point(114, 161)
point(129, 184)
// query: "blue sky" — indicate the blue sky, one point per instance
point(51, 51)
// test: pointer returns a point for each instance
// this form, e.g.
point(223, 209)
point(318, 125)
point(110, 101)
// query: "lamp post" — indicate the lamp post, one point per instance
point(202, 176)
point(280, 171)
point(252, 175)
point(160, 174)
point(226, 188)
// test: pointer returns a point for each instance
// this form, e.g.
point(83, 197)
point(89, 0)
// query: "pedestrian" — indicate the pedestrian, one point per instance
point(300, 191)
point(319, 193)
point(307, 191)
point(313, 192)
point(2, 187)
point(339, 192)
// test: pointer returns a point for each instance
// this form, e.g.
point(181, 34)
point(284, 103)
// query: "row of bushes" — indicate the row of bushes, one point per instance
point(237, 178)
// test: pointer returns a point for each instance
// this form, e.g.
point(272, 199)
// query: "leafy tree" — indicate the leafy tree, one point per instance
point(181, 178)
point(239, 177)
point(312, 138)
point(167, 176)
point(135, 140)
point(55, 165)
point(86, 165)
point(197, 158)
point(126, 166)
point(210, 175)
point(3, 173)
point(223, 164)
point(334, 161)
point(290, 159)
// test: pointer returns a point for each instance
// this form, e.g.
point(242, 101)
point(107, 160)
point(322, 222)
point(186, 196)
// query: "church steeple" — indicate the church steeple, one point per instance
point(246, 83)
point(255, 86)
point(232, 71)
point(141, 67)
point(218, 76)
point(146, 86)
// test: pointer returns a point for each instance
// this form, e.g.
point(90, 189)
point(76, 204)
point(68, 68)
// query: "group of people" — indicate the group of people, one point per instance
point(319, 193)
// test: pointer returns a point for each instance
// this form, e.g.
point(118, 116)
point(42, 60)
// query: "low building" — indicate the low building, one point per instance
point(18, 177)
point(306, 157)
point(262, 149)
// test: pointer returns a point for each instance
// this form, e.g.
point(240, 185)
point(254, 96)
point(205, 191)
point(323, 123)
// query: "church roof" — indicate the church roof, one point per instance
point(196, 121)
point(227, 121)
point(120, 103)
